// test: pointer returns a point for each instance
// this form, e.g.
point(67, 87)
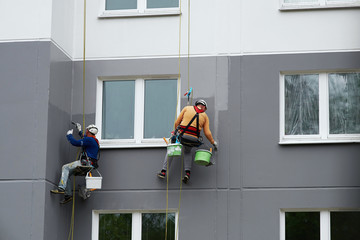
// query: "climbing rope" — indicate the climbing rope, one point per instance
point(72, 222)
point(189, 92)
point(84, 49)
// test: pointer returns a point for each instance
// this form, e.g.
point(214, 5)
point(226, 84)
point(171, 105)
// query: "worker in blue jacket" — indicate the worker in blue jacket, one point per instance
point(89, 157)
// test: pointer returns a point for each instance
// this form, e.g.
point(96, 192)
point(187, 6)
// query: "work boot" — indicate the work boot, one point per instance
point(57, 191)
point(186, 177)
point(66, 199)
point(162, 174)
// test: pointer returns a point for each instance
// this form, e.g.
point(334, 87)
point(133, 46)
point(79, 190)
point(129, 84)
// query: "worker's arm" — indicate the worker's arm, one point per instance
point(73, 141)
point(207, 131)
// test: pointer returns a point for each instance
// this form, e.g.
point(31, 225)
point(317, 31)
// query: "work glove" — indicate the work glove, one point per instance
point(70, 132)
point(78, 126)
point(215, 144)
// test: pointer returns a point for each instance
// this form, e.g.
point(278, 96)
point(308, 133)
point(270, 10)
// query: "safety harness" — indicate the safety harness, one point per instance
point(191, 141)
point(86, 160)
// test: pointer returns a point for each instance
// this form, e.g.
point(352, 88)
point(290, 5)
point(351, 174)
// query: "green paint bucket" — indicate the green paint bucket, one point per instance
point(202, 157)
point(174, 149)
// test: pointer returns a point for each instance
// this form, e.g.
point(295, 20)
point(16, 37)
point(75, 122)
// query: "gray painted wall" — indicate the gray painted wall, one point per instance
point(238, 198)
point(57, 218)
point(24, 74)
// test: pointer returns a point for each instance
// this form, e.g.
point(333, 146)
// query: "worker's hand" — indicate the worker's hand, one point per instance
point(215, 144)
point(70, 132)
point(210, 164)
point(78, 126)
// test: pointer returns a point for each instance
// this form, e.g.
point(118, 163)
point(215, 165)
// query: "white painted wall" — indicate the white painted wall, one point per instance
point(62, 30)
point(266, 29)
point(25, 20)
point(214, 29)
point(217, 28)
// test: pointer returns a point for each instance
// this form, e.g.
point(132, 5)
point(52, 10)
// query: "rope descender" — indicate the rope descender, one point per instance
point(188, 93)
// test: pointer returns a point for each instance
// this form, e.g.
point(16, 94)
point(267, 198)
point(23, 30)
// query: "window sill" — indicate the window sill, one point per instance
point(136, 13)
point(316, 141)
point(293, 7)
point(104, 144)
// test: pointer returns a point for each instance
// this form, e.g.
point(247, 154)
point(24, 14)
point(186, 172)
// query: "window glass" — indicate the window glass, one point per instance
point(120, 4)
point(345, 225)
point(154, 224)
point(300, 1)
point(118, 110)
point(162, 3)
point(301, 104)
point(115, 226)
point(160, 107)
point(344, 103)
point(302, 226)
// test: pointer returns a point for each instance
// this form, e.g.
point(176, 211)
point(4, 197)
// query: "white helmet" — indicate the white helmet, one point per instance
point(202, 102)
point(92, 129)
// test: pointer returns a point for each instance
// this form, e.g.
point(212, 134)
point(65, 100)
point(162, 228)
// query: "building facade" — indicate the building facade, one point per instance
point(281, 81)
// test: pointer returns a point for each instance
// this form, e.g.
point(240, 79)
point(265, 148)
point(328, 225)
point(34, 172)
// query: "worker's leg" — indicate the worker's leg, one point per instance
point(66, 172)
point(187, 163)
point(167, 162)
point(187, 158)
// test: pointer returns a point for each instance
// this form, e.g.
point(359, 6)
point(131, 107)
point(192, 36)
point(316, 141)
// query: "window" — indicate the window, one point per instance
point(309, 4)
point(134, 226)
point(320, 107)
point(319, 225)
point(135, 112)
point(126, 8)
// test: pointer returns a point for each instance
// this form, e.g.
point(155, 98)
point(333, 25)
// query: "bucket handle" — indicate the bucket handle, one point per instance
point(87, 174)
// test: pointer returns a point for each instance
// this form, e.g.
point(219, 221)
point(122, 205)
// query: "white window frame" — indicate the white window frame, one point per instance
point(325, 219)
point(324, 136)
point(141, 11)
point(138, 140)
point(136, 221)
point(321, 4)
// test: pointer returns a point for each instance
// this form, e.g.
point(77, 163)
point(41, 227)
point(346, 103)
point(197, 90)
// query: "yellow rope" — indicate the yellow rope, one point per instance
point(71, 232)
point(188, 55)
point(167, 196)
point(176, 110)
point(84, 47)
point(72, 223)
point(181, 176)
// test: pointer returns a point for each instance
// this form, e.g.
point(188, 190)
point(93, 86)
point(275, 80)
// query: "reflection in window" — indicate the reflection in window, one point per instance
point(118, 110)
point(344, 103)
point(301, 104)
point(154, 224)
point(115, 226)
point(345, 225)
point(120, 4)
point(302, 226)
point(159, 104)
point(162, 3)
point(300, 1)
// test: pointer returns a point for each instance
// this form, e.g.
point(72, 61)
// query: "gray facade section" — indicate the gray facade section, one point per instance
point(24, 69)
point(238, 198)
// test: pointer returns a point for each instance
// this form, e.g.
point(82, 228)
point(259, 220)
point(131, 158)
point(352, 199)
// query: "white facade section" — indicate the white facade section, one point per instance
point(266, 29)
point(62, 32)
point(232, 27)
point(214, 29)
point(25, 20)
